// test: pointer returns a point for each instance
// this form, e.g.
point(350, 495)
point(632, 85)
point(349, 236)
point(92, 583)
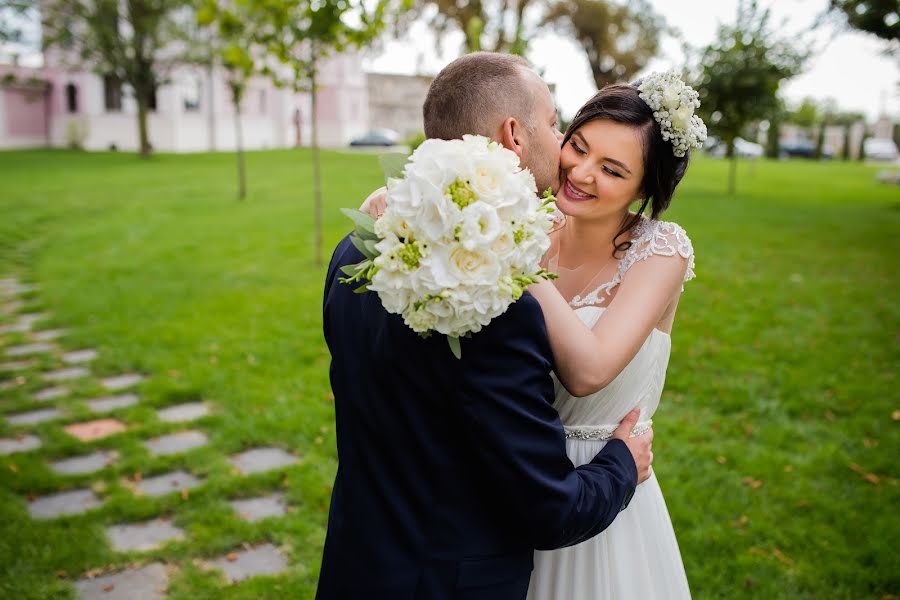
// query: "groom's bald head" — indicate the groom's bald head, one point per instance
point(475, 93)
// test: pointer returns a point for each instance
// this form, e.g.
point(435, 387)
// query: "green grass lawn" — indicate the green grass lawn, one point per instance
point(782, 376)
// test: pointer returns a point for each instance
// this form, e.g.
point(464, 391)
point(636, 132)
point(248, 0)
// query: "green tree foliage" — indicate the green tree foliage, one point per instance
point(492, 25)
point(618, 39)
point(741, 72)
point(12, 15)
point(878, 17)
point(131, 40)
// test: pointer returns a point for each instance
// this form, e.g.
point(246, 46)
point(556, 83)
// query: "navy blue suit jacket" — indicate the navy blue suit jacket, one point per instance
point(450, 472)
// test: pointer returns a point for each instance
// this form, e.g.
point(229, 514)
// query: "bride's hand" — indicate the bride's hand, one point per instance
point(640, 446)
point(375, 203)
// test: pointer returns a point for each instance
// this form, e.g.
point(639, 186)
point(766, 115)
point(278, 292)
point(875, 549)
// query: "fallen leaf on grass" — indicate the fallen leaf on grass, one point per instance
point(108, 587)
point(721, 460)
point(788, 468)
point(781, 557)
point(13, 468)
point(232, 556)
point(758, 552)
point(62, 574)
point(743, 520)
point(873, 479)
point(896, 415)
point(185, 494)
point(753, 483)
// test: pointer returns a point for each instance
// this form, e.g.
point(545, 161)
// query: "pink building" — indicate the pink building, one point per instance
point(56, 107)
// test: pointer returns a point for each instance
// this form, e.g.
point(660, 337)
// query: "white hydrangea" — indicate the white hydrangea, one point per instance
point(673, 104)
point(461, 237)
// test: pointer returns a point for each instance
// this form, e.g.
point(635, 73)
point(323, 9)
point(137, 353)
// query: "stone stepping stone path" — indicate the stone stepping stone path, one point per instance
point(34, 416)
point(49, 334)
point(261, 459)
point(89, 431)
point(51, 393)
point(255, 509)
point(121, 382)
point(12, 306)
point(262, 560)
point(78, 357)
point(181, 413)
point(65, 503)
point(16, 365)
point(89, 463)
point(176, 442)
point(145, 536)
point(12, 287)
point(146, 583)
point(12, 383)
point(66, 374)
point(167, 483)
point(19, 444)
point(25, 350)
point(108, 403)
point(28, 320)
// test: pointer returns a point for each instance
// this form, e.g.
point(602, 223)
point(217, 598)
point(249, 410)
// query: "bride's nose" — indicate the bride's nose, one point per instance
point(581, 173)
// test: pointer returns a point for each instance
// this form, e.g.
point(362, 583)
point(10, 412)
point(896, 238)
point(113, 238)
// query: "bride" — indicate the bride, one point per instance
point(609, 319)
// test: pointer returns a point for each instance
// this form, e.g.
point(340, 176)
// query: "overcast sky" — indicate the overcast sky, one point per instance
point(850, 68)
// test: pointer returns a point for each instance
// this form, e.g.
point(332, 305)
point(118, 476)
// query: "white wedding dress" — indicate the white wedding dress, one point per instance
point(637, 557)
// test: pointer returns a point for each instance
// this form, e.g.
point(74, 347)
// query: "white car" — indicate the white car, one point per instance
point(880, 149)
point(742, 148)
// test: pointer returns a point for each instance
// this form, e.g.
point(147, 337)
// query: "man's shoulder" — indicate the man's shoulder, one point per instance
point(523, 322)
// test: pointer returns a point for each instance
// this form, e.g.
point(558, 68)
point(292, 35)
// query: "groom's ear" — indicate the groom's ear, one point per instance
point(512, 136)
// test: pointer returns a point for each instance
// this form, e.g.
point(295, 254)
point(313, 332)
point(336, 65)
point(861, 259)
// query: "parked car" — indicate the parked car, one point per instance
point(880, 149)
point(743, 148)
point(801, 148)
point(377, 137)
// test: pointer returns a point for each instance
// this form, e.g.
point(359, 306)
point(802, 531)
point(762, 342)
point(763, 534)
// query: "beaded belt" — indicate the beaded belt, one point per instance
point(603, 432)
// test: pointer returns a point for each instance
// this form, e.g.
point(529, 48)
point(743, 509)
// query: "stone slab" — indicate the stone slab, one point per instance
point(143, 536)
point(12, 383)
point(66, 374)
point(49, 334)
point(88, 463)
point(34, 416)
point(254, 509)
point(12, 306)
point(183, 412)
point(78, 357)
point(29, 319)
point(167, 483)
point(256, 460)
point(108, 403)
point(94, 430)
point(26, 349)
point(51, 393)
point(12, 287)
point(74, 502)
point(174, 443)
point(146, 583)
point(19, 444)
point(14, 328)
point(262, 560)
point(120, 382)
point(16, 365)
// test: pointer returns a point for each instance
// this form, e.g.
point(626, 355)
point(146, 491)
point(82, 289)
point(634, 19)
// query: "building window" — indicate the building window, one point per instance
point(192, 93)
point(112, 93)
point(71, 98)
point(151, 101)
point(262, 102)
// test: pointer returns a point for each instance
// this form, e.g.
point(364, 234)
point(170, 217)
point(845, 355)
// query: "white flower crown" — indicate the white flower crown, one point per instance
point(673, 103)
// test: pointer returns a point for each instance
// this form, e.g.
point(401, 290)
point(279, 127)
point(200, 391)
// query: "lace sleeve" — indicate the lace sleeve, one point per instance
point(664, 239)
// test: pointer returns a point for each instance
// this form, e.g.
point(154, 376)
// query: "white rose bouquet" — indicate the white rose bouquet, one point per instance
point(459, 241)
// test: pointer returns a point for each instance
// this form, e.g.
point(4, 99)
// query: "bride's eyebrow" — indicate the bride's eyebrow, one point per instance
point(605, 158)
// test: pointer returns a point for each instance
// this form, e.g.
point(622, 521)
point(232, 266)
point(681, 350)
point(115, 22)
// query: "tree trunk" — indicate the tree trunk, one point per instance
point(317, 183)
point(211, 107)
point(145, 148)
point(239, 144)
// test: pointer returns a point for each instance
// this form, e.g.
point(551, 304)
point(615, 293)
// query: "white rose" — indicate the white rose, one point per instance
point(420, 321)
point(480, 226)
point(671, 97)
point(681, 118)
point(474, 266)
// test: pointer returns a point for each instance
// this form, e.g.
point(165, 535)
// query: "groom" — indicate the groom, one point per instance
point(452, 472)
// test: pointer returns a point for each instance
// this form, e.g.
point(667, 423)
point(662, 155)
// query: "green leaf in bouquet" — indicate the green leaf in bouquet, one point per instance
point(362, 289)
point(361, 245)
point(455, 346)
point(392, 164)
point(350, 270)
point(370, 245)
point(360, 219)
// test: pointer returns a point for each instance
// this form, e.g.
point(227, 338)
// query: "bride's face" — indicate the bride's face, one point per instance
point(602, 168)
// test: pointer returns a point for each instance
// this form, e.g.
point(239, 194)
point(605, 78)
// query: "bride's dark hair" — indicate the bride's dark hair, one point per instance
point(662, 169)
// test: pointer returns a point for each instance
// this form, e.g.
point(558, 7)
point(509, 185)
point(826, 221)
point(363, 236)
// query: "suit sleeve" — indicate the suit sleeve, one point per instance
point(505, 395)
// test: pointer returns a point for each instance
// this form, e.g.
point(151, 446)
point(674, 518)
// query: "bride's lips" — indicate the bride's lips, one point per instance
point(574, 193)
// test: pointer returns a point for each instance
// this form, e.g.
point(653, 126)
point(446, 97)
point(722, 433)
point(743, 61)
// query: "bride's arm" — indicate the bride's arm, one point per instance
point(375, 203)
point(589, 359)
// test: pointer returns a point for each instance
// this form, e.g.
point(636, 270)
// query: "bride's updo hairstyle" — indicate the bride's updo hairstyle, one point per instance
point(663, 170)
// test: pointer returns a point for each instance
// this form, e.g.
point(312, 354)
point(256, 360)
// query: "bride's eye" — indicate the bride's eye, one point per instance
point(576, 147)
point(611, 172)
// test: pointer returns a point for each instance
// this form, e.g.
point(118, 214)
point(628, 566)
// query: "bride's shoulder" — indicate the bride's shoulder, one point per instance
point(653, 237)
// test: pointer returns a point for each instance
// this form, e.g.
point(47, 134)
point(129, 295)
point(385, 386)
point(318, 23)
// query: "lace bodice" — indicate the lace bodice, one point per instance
point(650, 237)
point(641, 382)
